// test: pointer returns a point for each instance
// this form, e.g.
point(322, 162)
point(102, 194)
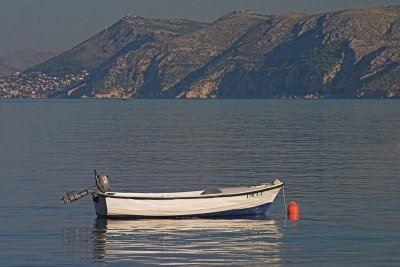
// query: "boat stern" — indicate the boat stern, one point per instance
point(100, 205)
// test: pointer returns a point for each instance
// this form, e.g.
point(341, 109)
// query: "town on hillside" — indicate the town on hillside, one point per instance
point(38, 85)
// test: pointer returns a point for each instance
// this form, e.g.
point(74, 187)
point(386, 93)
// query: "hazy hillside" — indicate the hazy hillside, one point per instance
point(349, 53)
point(22, 60)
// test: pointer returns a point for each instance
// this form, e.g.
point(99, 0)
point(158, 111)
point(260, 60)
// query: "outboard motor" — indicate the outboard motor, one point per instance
point(102, 182)
point(102, 185)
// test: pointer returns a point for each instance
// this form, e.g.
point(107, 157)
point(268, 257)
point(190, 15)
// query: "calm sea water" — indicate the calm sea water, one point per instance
point(340, 160)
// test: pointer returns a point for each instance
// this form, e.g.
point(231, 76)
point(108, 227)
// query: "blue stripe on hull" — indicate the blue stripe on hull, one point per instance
point(262, 209)
point(254, 212)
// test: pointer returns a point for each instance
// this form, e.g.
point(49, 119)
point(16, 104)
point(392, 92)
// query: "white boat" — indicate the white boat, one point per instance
point(231, 201)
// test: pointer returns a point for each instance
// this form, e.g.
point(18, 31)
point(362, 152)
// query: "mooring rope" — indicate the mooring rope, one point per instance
point(284, 198)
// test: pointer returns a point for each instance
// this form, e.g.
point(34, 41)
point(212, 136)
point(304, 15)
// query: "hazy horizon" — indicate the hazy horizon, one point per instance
point(48, 25)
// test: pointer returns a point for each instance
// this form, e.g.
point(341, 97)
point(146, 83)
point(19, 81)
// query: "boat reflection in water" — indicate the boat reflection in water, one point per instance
point(199, 242)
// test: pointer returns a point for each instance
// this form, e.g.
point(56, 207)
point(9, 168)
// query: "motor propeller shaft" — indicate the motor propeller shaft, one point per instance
point(102, 185)
point(73, 195)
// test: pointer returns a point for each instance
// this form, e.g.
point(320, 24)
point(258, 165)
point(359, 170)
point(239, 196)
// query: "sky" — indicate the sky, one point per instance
point(61, 24)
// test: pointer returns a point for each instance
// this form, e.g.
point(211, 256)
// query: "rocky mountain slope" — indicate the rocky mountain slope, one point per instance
point(351, 53)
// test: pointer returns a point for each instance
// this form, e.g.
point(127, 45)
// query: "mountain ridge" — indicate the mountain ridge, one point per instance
point(353, 53)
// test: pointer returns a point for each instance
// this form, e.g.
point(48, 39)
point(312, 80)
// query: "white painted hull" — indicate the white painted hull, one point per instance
point(229, 202)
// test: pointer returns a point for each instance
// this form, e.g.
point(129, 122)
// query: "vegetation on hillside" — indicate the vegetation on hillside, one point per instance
point(349, 53)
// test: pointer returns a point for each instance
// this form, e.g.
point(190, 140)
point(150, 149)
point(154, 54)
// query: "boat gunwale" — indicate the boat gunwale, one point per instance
point(105, 195)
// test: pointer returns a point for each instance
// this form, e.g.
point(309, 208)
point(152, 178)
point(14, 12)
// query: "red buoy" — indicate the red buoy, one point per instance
point(293, 211)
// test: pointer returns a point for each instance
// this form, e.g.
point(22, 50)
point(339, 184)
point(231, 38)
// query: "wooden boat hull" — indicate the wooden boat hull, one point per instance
point(254, 200)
